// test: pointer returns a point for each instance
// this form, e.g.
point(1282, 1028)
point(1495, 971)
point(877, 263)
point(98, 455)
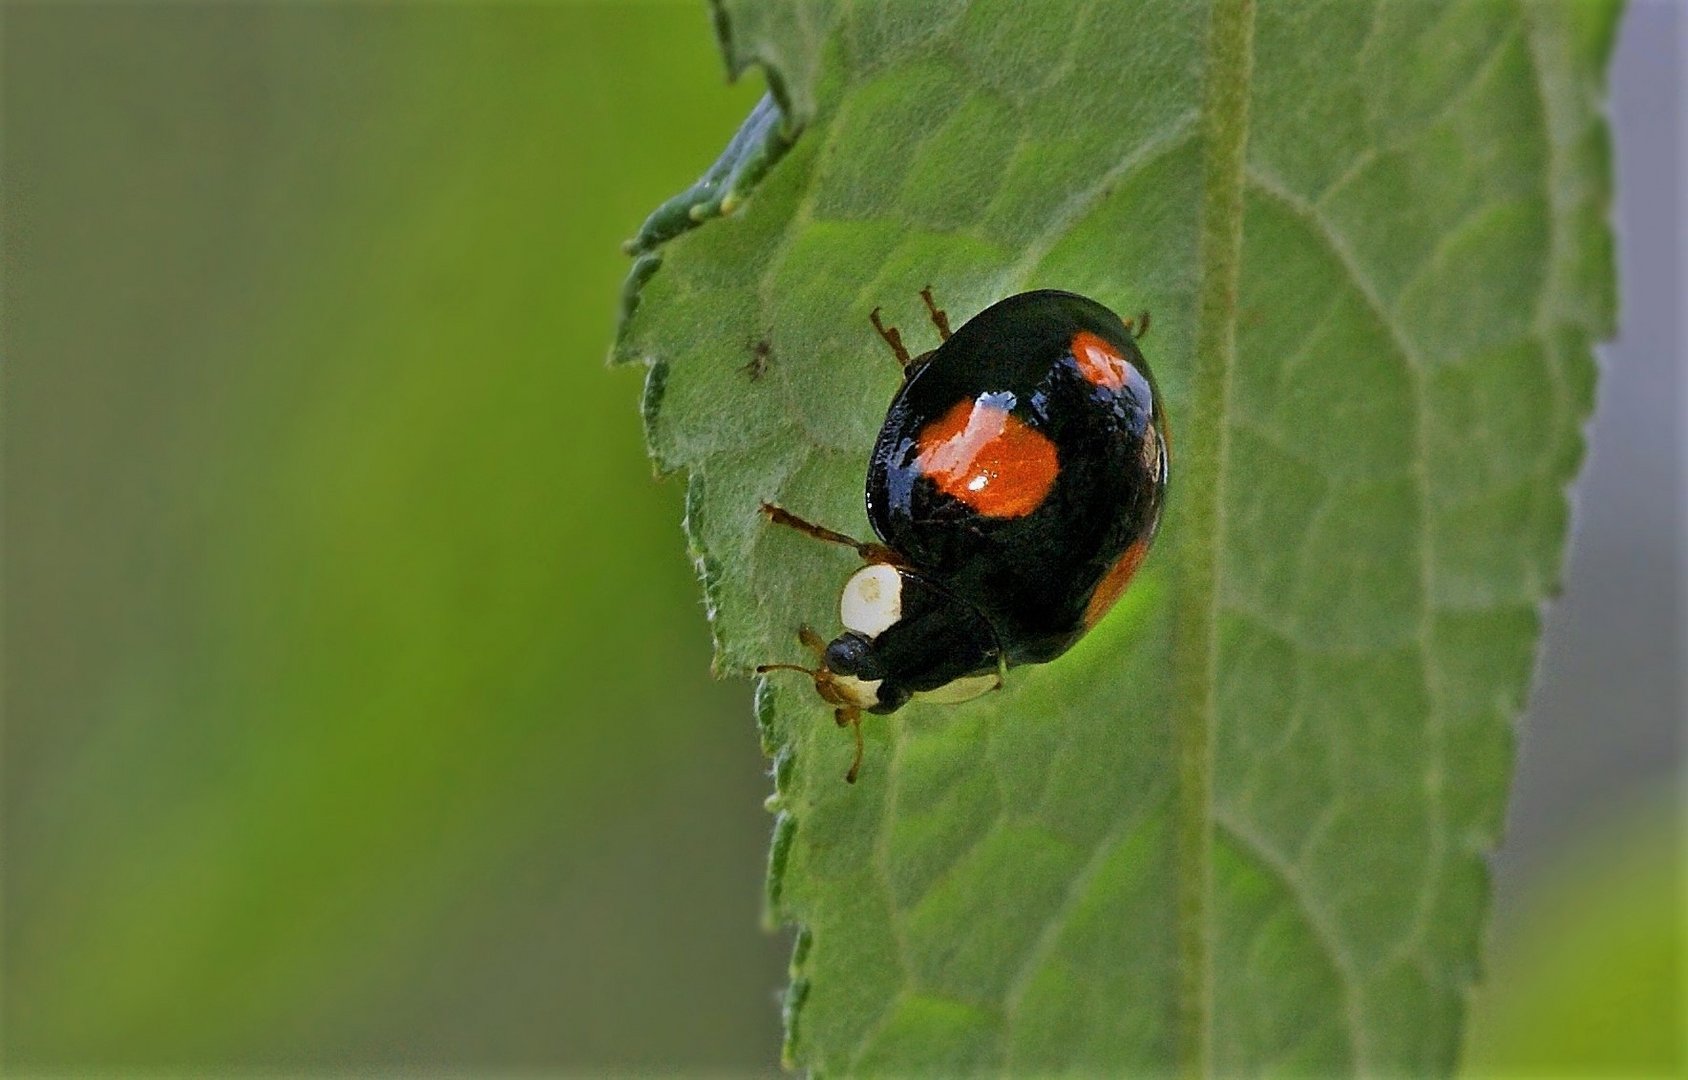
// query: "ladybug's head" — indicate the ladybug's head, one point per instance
point(904, 638)
point(855, 674)
point(852, 675)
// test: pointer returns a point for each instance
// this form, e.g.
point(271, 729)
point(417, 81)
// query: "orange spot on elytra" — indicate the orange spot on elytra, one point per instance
point(1099, 361)
point(1113, 583)
point(981, 454)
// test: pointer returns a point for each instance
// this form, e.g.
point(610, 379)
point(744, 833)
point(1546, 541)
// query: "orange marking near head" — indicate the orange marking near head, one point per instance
point(1113, 583)
point(980, 453)
point(1099, 361)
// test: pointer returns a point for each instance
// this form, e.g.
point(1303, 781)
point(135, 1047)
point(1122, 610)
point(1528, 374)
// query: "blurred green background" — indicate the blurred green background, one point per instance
point(355, 682)
point(357, 703)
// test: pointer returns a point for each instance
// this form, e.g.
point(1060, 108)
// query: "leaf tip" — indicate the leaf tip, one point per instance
point(762, 140)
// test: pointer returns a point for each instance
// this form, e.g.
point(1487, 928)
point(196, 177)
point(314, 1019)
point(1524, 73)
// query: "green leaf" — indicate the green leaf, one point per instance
point(1240, 827)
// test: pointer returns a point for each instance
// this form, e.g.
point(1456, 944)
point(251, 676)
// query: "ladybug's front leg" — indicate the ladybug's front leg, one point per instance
point(851, 718)
point(873, 553)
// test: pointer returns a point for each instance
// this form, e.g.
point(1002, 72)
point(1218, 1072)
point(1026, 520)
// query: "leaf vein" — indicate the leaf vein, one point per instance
point(1180, 131)
point(1224, 130)
point(1318, 923)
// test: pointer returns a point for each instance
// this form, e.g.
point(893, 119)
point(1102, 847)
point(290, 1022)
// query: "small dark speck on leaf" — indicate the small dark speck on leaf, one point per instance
point(761, 352)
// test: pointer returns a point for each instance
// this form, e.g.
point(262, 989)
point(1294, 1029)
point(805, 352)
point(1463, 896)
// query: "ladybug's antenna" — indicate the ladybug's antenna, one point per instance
point(763, 669)
point(846, 715)
point(812, 641)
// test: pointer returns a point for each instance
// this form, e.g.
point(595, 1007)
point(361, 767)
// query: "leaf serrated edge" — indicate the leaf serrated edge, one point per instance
point(766, 135)
point(1587, 219)
point(779, 853)
point(707, 568)
point(740, 61)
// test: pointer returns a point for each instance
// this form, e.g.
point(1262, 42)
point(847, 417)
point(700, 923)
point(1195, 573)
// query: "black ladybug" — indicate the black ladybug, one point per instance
point(1016, 485)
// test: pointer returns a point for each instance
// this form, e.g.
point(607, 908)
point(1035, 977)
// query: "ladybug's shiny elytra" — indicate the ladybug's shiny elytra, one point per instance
point(1016, 486)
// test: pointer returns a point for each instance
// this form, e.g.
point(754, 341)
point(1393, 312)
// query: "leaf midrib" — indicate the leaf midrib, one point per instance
point(1224, 124)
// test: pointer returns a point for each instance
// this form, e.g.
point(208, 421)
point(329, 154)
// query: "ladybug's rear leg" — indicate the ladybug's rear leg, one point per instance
point(939, 319)
point(873, 553)
point(1138, 327)
point(892, 338)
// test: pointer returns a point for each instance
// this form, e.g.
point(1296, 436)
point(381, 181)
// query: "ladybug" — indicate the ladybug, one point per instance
point(1015, 488)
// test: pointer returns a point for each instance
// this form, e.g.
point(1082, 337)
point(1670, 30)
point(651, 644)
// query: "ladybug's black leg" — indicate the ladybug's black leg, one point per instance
point(851, 717)
point(877, 553)
point(1138, 327)
point(892, 338)
point(937, 313)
